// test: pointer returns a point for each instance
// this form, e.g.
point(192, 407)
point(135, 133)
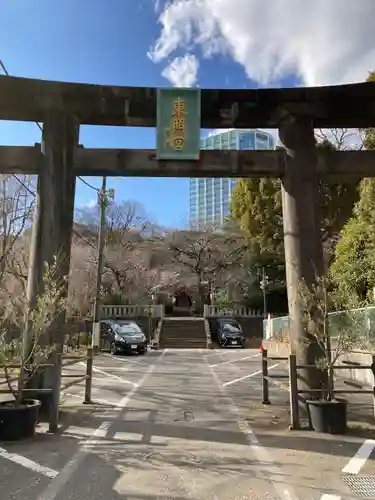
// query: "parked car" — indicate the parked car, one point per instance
point(230, 333)
point(121, 336)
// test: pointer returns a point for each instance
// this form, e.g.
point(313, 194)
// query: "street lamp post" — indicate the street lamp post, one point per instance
point(263, 287)
point(104, 197)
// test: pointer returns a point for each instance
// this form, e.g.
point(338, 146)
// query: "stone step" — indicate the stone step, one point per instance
point(183, 321)
point(181, 339)
point(183, 327)
point(186, 333)
point(195, 345)
point(185, 339)
point(181, 333)
point(177, 333)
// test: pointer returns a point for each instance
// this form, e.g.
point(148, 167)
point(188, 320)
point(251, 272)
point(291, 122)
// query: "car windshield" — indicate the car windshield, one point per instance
point(127, 324)
point(231, 327)
point(126, 329)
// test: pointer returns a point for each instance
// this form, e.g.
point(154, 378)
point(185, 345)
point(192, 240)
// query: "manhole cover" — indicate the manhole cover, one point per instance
point(188, 415)
point(362, 486)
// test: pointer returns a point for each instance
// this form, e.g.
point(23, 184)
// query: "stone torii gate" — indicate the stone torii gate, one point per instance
point(62, 107)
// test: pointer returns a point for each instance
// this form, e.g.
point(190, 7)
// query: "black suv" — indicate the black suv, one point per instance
point(230, 333)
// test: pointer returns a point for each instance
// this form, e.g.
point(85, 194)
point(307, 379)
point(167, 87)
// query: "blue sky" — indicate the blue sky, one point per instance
point(103, 42)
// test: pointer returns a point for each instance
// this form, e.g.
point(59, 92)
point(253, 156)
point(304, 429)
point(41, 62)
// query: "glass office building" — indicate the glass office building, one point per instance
point(210, 198)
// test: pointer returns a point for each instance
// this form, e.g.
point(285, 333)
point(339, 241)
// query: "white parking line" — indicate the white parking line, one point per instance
point(249, 376)
point(71, 467)
point(219, 352)
point(130, 361)
point(280, 482)
point(28, 464)
point(330, 497)
point(360, 458)
point(112, 375)
point(116, 368)
point(96, 400)
point(234, 360)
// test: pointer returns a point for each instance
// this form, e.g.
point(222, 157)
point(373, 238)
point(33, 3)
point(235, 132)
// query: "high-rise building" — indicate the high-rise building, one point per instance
point(210, 198)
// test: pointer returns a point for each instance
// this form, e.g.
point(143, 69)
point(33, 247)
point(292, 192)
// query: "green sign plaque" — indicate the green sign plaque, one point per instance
point(178, 124)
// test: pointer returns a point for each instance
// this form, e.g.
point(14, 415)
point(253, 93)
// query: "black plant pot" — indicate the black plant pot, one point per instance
point(18, 422)
point(329, 416)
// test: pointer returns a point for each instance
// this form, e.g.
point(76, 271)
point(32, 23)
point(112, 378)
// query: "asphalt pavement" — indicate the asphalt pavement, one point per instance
point(182, 424)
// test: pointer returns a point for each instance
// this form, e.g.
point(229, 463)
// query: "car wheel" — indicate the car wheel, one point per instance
point(113, 348)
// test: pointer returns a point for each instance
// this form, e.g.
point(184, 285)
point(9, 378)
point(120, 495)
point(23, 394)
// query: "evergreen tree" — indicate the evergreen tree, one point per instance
point(256, 207)
point(353, 267)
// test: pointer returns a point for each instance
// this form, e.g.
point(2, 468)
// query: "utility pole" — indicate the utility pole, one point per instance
point(4, 225)
point(263, 286)
point(103, 200)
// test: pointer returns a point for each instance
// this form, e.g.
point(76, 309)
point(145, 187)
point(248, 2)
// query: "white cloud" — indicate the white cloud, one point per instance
point(157, 5)
point(182, 71)
point(90, 204)
point(322, 41)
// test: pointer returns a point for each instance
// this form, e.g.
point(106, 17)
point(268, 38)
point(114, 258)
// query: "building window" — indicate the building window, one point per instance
point(244, 140)
point(262, 137)
point(217, 141)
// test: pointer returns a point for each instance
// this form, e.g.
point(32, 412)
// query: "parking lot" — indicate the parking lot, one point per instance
point(180, 424)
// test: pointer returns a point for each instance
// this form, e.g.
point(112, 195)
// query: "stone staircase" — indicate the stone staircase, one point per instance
point(183, 333)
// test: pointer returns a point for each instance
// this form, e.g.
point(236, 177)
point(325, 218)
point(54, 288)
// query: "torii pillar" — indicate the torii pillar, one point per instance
point(302, 239)
point(52, 226)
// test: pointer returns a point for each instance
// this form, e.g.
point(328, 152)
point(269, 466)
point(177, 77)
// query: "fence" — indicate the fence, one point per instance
point(236, 311)
point(155, 311)
point(65, 360)
point(296, 394)
point(362, 320)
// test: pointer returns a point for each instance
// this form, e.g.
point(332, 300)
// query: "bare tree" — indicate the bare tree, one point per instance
point(81, 278)
point(128, 239)
point(208, 255)
point(342, 139)
point(16, 208)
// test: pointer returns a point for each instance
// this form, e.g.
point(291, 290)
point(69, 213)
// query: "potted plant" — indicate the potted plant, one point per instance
point(328, 413)
point(22, 358)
